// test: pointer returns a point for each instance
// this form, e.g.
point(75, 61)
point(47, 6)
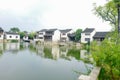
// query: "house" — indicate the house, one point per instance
point(25, 38)
point(87, 35)
point(100, 36)
point(1, 34)
point(11, 36)
point(52, 35)
point(40, 35)
point(64, 35)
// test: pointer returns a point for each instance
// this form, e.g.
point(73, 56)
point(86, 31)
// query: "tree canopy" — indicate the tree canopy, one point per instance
point(15, 30)
point(78, 34)
point(108, 12)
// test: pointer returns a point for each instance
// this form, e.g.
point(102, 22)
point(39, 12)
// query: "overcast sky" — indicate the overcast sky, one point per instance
point(33, 15)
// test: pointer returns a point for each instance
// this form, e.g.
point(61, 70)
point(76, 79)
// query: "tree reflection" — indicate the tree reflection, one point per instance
point(74, 53)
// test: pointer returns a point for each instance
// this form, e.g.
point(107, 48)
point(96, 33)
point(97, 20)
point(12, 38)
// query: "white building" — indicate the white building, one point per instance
point(40, 35)
point(87, 35)
point(64, 34)
point(52, 35)
point(12, 36)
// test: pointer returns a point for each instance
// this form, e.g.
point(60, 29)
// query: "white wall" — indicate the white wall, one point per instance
point(1, 36)
point(41, 35)
point(12, 37)
point(25, 38)
point(83, 36)
point(56, 36)
point(66, 35)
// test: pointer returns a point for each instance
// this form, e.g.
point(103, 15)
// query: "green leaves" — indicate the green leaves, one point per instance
point(15, 30)
point(107, 55)
point(108, 13)
point(78, 34)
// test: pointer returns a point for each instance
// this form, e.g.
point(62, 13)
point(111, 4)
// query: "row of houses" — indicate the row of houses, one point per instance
point(54, 35)
point(6, 36)
point(90, 34)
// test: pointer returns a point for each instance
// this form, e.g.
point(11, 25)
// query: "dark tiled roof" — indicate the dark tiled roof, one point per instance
point(51, 30)
point(65, 31)
point(43, 30)
point(1, 29)
point(88, 30)
point(100, 34)
point(71, 35)
point(11, 33)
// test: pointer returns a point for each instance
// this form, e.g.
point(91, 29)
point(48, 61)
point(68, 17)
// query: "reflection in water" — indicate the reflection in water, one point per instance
point(56, 52)
point(35, 62)
point(1, 49)
point(12, 46)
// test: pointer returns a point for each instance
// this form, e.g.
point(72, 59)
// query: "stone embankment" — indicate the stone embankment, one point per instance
point(93, 75)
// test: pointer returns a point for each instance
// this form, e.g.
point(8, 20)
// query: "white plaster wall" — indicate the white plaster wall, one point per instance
point(56, 36)
point(66, 35)
point(2, 36)
point(13, 37)
point(83, 36)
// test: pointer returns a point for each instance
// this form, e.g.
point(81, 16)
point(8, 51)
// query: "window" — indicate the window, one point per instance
point(63, 33)
point(41, 33)
point(16, 36)
point(87, 39)
point(87, 33)
point(0, 35)
point(10, 36)
point(40, 37)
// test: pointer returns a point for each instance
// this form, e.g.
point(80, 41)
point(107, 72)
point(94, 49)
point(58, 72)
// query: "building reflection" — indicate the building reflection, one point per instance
point(12, 46)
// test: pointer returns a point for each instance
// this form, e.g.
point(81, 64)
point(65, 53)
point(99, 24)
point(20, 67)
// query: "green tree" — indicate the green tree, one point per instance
point(106, 55)
point(108, 13)
point(32, 35)
point(22, 34)
point(15, 30)
point(78, 34)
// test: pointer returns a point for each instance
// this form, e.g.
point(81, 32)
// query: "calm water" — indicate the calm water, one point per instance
point(37, 62)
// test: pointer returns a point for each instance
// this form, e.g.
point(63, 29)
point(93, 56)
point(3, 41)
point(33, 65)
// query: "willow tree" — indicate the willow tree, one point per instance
point(106, 54)
point(108, 12)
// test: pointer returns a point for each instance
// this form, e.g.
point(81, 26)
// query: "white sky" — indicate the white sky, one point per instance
point(32, 15)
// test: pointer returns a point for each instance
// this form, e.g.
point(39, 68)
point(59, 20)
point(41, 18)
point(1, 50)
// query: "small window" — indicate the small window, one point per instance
point(40, 37)
point(63, 34)
point(87, 33)
point(16, 36)
point(87, 39)
point(41, 33)
point(10, 36)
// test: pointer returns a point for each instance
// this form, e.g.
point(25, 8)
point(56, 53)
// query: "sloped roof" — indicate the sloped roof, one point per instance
point(11, 33)
point(52, 30)
point(100, 34)
point(1, 29)
point(88, 30)
point(43, 30)
point(71, 35)
point(65, 30)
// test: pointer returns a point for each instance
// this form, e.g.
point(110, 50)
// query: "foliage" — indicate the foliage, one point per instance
point(108, 12)
point(15, 30)
point(78, 34)
point(107, 55)
point(74, 53)
point(47, 52)
point(32, 35)
point(14, 41)
point(22, 34)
